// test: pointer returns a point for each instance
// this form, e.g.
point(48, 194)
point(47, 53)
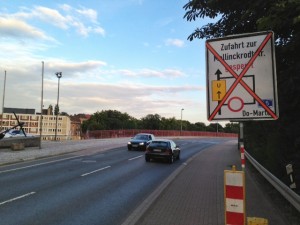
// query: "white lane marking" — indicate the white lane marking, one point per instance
point(104, 168)
point(39, 164)
point(17, 198)
point(135, 157)
point(88, 161)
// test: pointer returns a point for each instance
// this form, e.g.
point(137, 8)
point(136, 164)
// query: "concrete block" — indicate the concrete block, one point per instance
point(17, 146)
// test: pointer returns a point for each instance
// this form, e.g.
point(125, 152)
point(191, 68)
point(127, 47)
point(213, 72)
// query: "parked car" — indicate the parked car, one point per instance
point(140, 141)
point(16, 133)
point(162, 149)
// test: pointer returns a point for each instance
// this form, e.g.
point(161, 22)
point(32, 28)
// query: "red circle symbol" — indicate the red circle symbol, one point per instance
point(236, 99)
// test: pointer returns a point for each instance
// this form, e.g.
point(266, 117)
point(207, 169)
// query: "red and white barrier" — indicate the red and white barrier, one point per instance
point(234, 194)
point(242, 156)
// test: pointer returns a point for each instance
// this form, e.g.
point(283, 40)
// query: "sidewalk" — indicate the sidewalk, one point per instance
point(51, 148)
point(196, 195)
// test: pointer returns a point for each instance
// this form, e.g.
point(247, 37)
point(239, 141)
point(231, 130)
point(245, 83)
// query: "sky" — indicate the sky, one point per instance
point(132, 56)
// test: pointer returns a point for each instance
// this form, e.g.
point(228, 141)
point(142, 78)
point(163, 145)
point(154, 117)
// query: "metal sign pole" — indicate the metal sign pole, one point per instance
point(241, 139)
point(241, 145)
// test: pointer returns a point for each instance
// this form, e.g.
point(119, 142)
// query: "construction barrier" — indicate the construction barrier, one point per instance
point(234, 194)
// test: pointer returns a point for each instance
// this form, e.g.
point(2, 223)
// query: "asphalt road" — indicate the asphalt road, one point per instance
point(85, 187)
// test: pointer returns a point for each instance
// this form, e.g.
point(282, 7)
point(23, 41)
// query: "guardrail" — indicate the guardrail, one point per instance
point(284, 190)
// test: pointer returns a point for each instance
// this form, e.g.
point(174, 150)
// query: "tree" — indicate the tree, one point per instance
point(232, 128)
point(110, 120)
point(281, 138)
point(169, 124)
point(64, 114)
point(215, 127)
point(56, 110)
point(113, 119)
point(151, 121)
point(200, 126)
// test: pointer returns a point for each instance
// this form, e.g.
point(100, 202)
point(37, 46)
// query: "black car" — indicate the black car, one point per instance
point(162, 149)
point(140, 141)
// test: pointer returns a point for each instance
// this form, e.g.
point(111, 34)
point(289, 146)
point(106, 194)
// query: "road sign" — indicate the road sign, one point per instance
point(218, 89)
point(241, 78)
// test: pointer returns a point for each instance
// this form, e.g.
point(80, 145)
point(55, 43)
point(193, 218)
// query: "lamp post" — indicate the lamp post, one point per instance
point(181, 122)
point(59, 75)
point(42, 103)
point(3, 99)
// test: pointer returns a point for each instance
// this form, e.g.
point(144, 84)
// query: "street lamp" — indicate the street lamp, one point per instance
point(3, 99)
point(181, 122)
point(59, 75)
point(42, 99)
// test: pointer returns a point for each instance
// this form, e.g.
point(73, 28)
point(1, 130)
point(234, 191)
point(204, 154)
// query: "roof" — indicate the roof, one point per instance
point(162, 140)
point(79, 118)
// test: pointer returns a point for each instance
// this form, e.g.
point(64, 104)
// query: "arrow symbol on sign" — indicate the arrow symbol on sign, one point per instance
point(218, 73)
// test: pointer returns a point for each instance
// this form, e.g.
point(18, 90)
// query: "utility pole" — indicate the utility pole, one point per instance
point(59, 75)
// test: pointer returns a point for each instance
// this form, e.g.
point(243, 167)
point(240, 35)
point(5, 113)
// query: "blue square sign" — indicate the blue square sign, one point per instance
point(268, 102)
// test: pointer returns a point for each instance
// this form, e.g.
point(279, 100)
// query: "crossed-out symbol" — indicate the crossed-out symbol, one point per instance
point(239, 78)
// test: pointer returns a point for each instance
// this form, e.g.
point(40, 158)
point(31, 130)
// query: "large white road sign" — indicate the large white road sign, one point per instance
point(241, 78)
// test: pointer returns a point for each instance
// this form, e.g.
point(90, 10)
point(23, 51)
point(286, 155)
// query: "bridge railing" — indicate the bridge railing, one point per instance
point(159, 133)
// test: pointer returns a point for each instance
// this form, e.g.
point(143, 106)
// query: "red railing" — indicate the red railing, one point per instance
point(99, 134)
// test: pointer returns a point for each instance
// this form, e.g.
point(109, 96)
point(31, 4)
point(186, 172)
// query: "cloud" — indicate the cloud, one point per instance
point(128, 98)
point(80, 92)
point(14, 28)
point(174, 42)
point(65, 7)
point(86, 85)
point(73, 68)
point(51, 16)
point(88, 13)
point(83, 20)
point(148, 73)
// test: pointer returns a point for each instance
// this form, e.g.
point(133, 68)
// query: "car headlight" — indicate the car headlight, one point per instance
point(129, 143)
point(141, 143)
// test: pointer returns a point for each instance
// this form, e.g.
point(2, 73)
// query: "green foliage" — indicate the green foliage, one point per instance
point(64, 114)
point(151, 122)
point(200, 126)
point(112, 120)
point(215, 127)
point(169, 124)
point(56, 110)
point(232, 128)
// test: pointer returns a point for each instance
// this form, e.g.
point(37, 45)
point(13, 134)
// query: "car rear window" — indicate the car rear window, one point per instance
point(159, 144)
point(141, 137)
